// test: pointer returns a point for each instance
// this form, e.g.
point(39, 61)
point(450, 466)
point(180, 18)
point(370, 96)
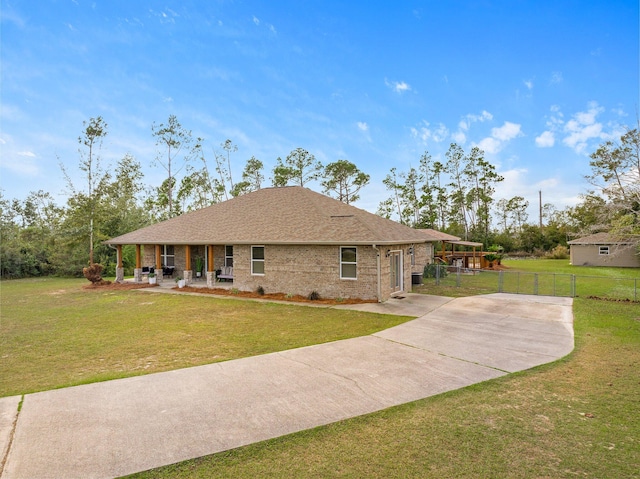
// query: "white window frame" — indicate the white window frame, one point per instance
point(603, 250)
point(165, 256)
point(258, 260)
point(343, 263)
point(228, 260)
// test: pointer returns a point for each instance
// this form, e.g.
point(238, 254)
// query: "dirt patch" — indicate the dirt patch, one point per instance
point(274, 296)
point(108, 286)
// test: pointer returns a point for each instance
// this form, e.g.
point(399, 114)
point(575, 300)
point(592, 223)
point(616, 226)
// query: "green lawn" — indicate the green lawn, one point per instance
point(545, 277)
point(54, 334)
point(577, 417)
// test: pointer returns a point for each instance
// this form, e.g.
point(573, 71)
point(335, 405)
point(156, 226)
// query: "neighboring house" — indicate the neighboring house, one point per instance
point(286, 240)
point(604, 249)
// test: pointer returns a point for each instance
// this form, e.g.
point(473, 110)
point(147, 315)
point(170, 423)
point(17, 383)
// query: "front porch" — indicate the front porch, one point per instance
point(207, 266)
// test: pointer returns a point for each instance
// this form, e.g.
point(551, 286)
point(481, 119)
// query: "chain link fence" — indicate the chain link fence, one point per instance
point(546, 284)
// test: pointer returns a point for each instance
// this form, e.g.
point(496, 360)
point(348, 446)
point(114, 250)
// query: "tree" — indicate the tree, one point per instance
point(344, 180)
point(175, 145)
point(615, 172)
point(252, 178)
point(84, 204)
point(393, 203)
point(223, 168)
point(458, 196)
point(300, 167)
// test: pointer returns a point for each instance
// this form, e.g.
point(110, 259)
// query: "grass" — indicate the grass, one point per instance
point(545, 277)
point(55, 334)
point(577, 417)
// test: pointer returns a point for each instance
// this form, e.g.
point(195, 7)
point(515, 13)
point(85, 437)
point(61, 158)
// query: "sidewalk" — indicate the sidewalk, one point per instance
point(120, 427)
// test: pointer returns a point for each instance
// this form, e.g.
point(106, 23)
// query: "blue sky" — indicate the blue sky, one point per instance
point(536, 84)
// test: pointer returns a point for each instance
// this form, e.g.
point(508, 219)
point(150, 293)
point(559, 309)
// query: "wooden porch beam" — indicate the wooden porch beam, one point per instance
point(158, 258)
point(138, 257)
point(119, 255)
point(210, 258)
point(187, 255)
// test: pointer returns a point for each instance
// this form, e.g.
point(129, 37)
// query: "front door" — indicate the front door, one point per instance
point(396, 271)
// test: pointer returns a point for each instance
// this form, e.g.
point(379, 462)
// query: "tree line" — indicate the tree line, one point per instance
point(457, 196)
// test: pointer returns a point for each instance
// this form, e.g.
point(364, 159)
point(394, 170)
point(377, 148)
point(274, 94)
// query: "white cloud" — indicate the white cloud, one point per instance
point(362, 126)
point(529, 84)
point(426, 133)
point(459, 137)
point(398, 87)
point(465, 123)
point(546, 139)
point(256, 20)
point(583, 127)
point(556, 77)
point(499, 136)
point(506, 132)
point(29, 154)
point(489, 145)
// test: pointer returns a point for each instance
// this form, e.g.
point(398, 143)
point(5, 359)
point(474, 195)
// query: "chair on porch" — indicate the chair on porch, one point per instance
point(168, 271)
point(225, 273)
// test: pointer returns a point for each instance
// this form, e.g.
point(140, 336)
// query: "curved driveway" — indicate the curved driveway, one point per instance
point(120, 427)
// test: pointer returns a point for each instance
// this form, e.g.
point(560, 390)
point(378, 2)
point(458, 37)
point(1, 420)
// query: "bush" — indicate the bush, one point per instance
point(314, 296)
point(559, 252)
point(431, 270)
point(260, 290)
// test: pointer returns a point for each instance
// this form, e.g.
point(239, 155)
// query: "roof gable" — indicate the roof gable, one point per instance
point(286, 215)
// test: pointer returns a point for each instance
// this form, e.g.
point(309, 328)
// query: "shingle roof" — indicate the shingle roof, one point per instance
point(287, 215)
point(435, 235)
point(605, 238)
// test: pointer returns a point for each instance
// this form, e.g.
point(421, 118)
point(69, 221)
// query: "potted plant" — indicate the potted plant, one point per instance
point(199, 266)
point(490, 257)
point(152, 278)
point(180, 282)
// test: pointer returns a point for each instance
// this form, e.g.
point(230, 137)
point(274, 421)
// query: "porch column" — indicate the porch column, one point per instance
point(137, 272)
point(159, 274)
point(211, 274)
point(119, 267)
point(188, 273)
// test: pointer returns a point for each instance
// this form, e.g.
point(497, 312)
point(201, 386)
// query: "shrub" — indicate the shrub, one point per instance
point(314, 296)
point(260, 290)
point(431, 270)
point(559, 252)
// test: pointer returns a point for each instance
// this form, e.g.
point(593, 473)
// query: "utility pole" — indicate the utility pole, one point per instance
point(540, 202)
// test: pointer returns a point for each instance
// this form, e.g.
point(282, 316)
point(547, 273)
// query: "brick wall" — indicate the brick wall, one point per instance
point(301, 269)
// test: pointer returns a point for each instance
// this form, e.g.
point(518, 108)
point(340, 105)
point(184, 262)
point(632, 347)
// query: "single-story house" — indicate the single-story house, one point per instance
point(285, 240)
point(605, 249)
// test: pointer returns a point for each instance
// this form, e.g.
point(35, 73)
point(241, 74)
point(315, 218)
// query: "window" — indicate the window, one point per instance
point(257, 260)
point(228, 255)
point(603, 250)
point(168, 255)
point(348, 262)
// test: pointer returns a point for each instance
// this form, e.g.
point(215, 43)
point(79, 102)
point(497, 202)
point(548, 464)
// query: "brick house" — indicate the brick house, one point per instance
point(604, 249)
point(285, 240)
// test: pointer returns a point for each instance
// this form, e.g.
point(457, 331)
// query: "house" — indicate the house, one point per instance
point(605, 249)
point(285, 240)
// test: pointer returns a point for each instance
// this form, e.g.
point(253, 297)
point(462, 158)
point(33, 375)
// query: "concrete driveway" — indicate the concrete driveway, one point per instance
point(120, 427)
